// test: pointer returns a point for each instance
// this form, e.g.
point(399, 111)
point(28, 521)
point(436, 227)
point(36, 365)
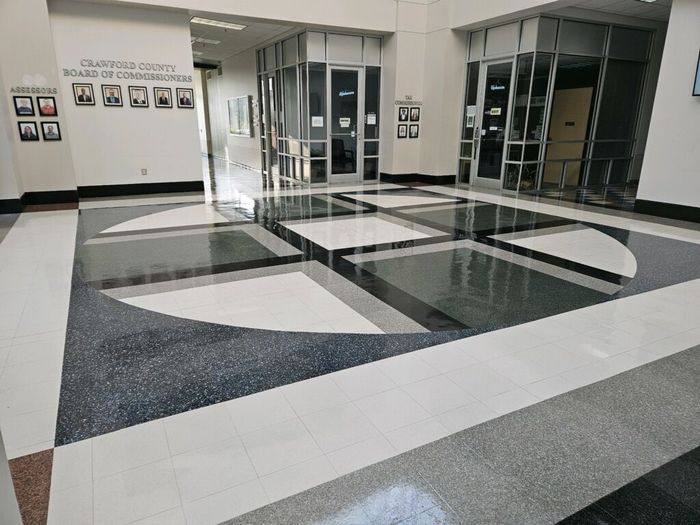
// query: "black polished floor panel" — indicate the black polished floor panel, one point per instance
point(668, 495)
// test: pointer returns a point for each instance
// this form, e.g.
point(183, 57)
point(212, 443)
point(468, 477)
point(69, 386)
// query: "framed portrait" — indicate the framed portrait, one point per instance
point(83, 95)
point(47, 106)
point(163, 97)
point(403, 131)
point(415, 114)
point(50, 131)
point(138, 96)
point(403, 114)
point(239, 112)
point(696, 87)
point(27, 131)
point(185, 97)
point(112, 95)
point(413, 131)
point(24, 107)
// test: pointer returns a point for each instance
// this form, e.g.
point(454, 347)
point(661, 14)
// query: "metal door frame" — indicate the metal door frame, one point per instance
point(359, 135)
point(481, 95)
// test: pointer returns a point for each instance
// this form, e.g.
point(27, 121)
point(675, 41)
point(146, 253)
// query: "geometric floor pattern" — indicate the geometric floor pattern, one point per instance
point(192, 362)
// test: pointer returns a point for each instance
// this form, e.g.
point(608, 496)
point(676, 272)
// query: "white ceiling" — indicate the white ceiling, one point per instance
point(231, 41)
point(659, 10)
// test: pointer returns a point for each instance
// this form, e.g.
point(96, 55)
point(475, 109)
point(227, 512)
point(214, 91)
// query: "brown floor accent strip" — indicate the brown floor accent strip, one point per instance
point(31, 475)
point(51, 207)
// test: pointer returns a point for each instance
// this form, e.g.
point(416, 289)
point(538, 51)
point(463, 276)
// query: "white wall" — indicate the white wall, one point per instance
point(671, 169)
point(10, 187)
point(39, 166)
point(239, 79)
point(111, 145)
point(361, 15)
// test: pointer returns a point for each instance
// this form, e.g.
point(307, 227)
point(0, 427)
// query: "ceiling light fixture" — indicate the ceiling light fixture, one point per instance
point(216, 23)
point(200, 40)
point(648, 1)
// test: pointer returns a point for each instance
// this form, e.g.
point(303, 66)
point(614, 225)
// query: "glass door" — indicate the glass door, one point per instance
point(271, 129)
point(344, 135)
point(492, 123)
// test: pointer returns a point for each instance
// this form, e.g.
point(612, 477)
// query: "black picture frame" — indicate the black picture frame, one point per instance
point(402, 131)
point(696, 87)
point(179, 92)
point(78, 94)
point(403, 113)
point(415, 114)
point(112, 103)
point(43, 113)
point(24, 123)
point(132, 98)
point(19, 110)
point(157, 92)
point(57, 132)
point(413, 131)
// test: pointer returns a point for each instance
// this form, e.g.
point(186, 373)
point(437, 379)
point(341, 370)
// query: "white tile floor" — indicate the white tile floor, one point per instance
point(348, 233)
point(586, 246)
point(286, 301)
point(217, 462)
point(36, 267)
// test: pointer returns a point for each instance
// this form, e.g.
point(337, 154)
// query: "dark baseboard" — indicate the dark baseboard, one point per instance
point(10, 206)
point(120, 190)
point(665, 209)
point(32, 198)
point(417, 177)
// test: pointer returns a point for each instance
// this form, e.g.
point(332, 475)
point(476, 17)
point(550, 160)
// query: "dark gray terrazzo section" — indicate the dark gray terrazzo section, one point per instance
point(660, 261)
point(6, 223)
point(537, 465)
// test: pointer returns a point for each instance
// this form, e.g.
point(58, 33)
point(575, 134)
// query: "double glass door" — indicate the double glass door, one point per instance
point(492, 119)
point(346, 123)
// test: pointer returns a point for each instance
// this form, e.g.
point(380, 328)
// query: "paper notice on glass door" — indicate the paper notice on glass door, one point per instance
point(344, 122)
point(317, 121)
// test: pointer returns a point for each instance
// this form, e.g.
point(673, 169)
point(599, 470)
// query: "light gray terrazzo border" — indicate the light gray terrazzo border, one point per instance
point(537, 465)
point(514, 258)
point(374, 310)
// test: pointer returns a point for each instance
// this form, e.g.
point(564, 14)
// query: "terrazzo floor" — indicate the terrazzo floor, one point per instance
point(193, 358)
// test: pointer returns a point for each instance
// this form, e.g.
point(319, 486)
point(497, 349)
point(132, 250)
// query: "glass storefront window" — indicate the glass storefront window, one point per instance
point(372, 103)
point(538, 97)
point(470, 97)
point(317, 100)
point(291, 102)
point(522, 95)
point(620, 99)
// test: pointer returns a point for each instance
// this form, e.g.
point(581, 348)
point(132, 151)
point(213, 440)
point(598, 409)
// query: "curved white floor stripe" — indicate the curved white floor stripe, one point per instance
point(174, 218)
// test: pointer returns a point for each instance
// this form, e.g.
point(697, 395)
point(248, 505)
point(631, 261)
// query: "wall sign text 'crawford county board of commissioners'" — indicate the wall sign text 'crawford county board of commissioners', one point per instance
point(126, 70)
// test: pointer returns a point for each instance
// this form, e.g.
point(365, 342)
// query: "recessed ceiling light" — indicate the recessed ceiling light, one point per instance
point(201, 40)
point(216, 23)
point(648, 1)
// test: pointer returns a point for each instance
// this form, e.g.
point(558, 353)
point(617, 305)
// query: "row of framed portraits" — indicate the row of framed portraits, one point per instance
point(24, 106)
point(408, 131)
point(28, 131)
point(406, 114)
point(84, 95)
